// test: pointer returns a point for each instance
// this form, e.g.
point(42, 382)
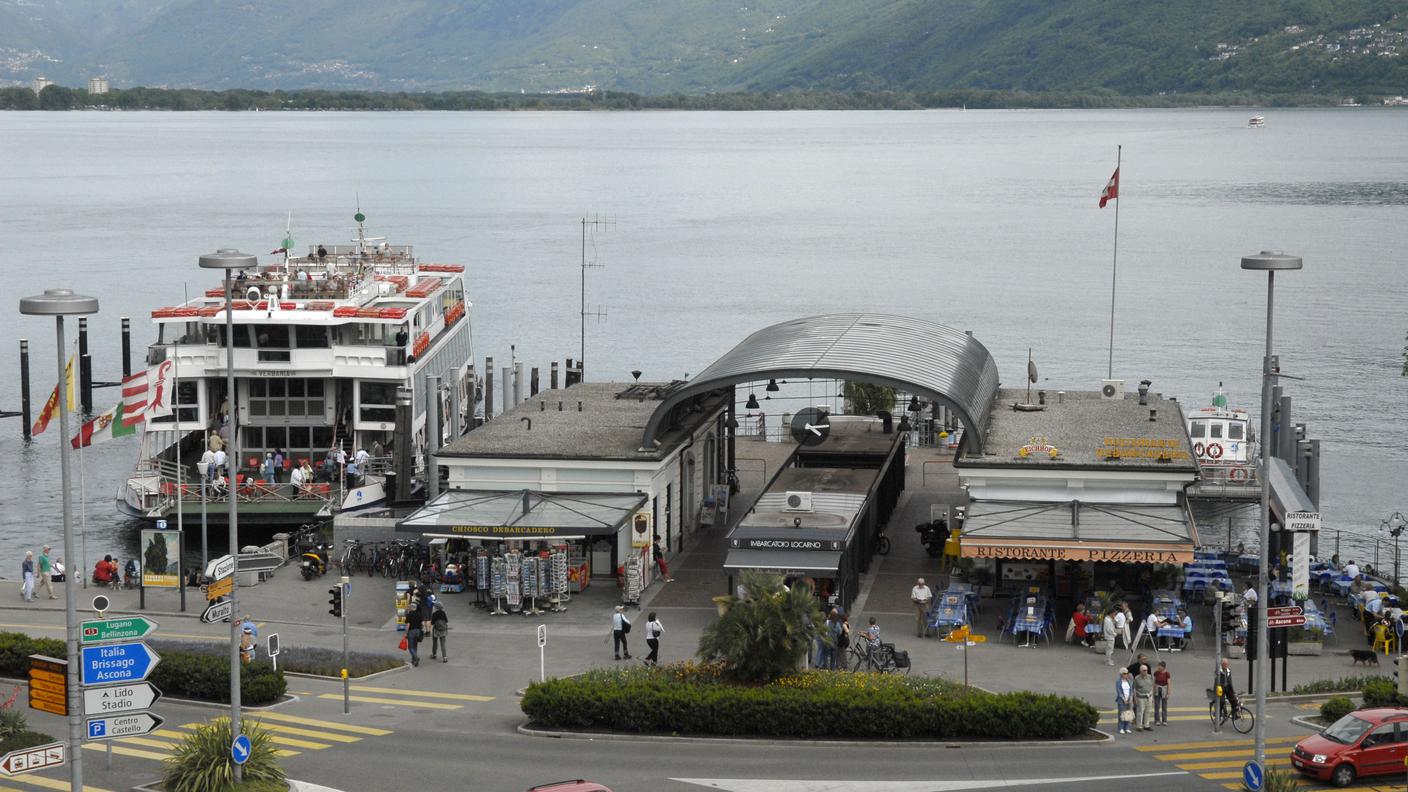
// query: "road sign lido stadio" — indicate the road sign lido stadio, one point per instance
point(119, 699)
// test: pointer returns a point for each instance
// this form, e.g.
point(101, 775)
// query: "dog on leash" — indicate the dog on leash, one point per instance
point(1365, 656)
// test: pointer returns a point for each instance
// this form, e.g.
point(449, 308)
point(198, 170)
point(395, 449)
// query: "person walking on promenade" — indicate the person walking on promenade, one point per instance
point(1128, 619)
point(659, 556)
point(1107, 636)
point(1124, 700)
point(653, 630)
point(27, 575)
point(620, 627)
point(922, 597)
point(268, 468)
point(1143, 700)
point(1162, 689)
point(46, 572)
point(439, 626)
point(843, 641)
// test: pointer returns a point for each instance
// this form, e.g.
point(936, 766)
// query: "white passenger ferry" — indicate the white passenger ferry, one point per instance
point(322, 343)
point(1222, 442)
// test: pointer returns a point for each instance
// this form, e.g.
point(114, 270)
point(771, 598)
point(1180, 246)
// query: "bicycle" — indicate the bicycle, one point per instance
point(885, 659)
point(1220, 711)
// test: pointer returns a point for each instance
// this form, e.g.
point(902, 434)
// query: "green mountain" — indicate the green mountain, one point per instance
point(701, 46)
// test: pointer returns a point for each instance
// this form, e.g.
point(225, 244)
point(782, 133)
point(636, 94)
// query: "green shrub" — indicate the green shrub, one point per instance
point(766, 633)
point(193, 671)
point(1336, 708)
point(1279, 779)
point(15, 734)
point(201, 761)
point(301, 659)
point(1381, 692)
point(1342, 685)
point(695, 699)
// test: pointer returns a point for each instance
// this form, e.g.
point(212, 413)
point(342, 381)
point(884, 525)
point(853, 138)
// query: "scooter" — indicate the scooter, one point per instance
point(314, 563)
point(933, 535)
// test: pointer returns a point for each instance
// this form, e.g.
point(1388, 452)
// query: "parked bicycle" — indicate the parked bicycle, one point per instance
point(884, 659)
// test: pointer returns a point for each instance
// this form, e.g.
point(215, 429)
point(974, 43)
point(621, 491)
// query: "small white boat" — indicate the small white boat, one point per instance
point(1256, 121)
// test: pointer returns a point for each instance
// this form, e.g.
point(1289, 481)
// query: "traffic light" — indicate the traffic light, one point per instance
point(335, 601)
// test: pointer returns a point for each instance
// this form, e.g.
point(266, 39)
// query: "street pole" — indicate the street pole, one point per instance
point(1217, 651)
point(346, 584)
point(1268, 261)
point(204, 551)
point(59, 303)
point(229, 259)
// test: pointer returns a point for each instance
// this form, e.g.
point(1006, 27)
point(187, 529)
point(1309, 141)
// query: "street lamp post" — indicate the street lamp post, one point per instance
point(1394, 524)
point(230, 259)
point(59, 303)
point(1268, 261)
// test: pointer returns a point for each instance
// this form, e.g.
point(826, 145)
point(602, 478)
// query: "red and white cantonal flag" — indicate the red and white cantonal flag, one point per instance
point(134, 398)
point(161, 389)
point(1112, 189)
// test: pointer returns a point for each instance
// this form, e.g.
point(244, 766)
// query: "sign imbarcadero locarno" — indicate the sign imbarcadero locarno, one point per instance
point(758, 543)
point(1103, 554)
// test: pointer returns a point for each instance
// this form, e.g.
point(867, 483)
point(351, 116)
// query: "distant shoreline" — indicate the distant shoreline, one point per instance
point(55, 97)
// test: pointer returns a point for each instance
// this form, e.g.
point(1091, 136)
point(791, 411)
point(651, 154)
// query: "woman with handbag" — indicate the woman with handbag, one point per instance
point(1124, 700)
point(653, 630)
point(620, 627)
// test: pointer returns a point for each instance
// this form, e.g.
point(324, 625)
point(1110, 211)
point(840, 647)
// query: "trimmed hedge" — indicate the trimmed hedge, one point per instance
point(690, 699)
point(1336, 708)
point(182, 673)
point(1347, 684)
point(1382, 692)
point(300, 659)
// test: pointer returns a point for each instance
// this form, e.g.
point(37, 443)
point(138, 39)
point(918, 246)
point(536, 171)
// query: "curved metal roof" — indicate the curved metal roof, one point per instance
point(928, 360)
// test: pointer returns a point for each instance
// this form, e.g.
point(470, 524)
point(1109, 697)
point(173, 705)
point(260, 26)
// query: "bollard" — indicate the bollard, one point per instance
point(126, 347)
point(85, 369)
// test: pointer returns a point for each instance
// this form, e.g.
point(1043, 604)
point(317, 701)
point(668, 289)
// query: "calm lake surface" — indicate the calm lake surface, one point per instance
point(726, 222)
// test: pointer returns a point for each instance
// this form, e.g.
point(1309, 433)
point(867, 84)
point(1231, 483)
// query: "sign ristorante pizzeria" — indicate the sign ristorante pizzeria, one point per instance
point(1116, 555)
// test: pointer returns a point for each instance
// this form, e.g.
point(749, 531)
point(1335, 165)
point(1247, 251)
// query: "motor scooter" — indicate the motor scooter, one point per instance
point(314, 562)
point(933, 535)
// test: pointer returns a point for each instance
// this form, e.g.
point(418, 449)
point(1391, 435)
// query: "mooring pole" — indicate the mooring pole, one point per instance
point(552, 378)
point(24, 388)
point(126, 347)
point(488, 389)
point(533, 383)
point(85, 369)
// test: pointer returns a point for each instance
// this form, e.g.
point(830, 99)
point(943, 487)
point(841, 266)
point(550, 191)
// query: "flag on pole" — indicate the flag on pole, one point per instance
point(134, 398)
point(51, 407)
point(160, 390)
point(1112, 189)
point(107, 426)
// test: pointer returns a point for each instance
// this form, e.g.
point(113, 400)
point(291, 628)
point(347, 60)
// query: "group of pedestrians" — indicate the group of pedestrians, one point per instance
point(621, 628)
point(41, 571)
point(425, 615)
point(1142, 694)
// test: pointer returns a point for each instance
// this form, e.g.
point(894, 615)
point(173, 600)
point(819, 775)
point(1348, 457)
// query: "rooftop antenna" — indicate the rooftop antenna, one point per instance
point(1026, 405)
point(595, 223)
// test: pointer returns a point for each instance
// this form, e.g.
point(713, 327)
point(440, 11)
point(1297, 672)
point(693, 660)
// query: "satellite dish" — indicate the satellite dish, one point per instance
point(1031, 370)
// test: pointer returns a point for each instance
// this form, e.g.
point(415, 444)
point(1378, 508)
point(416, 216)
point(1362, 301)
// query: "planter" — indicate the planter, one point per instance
point(722, 604)
point(1304, 648)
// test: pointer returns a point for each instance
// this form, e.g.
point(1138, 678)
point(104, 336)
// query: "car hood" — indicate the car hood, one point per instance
point(1321, 745)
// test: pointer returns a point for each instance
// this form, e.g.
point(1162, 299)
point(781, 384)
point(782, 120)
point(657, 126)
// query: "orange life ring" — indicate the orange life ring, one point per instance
point(1197, 449)
point(1215, 450)
point(1237, 474)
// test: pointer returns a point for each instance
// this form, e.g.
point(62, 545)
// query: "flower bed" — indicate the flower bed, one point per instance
point(694, 699)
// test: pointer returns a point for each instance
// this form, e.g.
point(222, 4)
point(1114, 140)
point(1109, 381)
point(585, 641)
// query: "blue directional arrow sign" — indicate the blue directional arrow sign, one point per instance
point(1253, 776)
point(240, 748)
point(114, 663)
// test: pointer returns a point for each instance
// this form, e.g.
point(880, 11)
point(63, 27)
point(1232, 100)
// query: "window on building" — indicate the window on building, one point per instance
point(378, 401)
point(292, 398)
point(310, 336)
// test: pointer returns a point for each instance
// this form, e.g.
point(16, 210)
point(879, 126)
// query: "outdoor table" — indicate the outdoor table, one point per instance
point(950, 612)
point(1029, 617)
point(1280, 590)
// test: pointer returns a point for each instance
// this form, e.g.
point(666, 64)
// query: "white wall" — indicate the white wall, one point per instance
point(1094, 486)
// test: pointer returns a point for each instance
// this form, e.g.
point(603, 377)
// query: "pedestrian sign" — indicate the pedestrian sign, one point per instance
point(240, 749)
point(1253, 776)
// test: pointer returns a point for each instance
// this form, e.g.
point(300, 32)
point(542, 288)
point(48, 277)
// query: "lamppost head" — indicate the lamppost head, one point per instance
point(58, 302)
point(1271, 260)
point(228, 259)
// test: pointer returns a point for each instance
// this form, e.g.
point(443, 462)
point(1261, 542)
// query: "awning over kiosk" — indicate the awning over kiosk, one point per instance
point(1076, 531)
point(810, 561)
point(523, 514)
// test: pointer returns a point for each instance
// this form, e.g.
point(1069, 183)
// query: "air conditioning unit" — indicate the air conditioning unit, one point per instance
point(799, 501)
point(1112, 389)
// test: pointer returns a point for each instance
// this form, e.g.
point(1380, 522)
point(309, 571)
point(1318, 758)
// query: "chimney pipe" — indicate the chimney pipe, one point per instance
point(1060, 397)
point(529, 421)
point(1144, 392)
point(1153, 415)
point(542, 406)
point(579, 406)
point(552, 378)
point(559, 405)
point(1041, 397)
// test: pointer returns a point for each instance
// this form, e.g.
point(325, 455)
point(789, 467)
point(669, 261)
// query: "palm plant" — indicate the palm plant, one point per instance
point(202, 763)
point(767, 632)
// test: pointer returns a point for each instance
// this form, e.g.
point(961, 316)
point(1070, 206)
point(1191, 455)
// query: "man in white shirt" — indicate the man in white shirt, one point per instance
point(1352, 569)
point(921, 596)
point(1249, 596)
point(1152, 625)
point(208, 459)
point(340, 457)
point(296, 478)
point(220, 459)
point(362, 456)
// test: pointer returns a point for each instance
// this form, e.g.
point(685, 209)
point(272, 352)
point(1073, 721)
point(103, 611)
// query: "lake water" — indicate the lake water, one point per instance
point(726, 222)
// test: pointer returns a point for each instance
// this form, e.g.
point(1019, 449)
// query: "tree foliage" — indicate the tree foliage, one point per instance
point(764, 634)
point(868, 399)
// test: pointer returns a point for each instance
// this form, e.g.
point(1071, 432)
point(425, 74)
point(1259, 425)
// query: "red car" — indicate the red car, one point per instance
point(571, 786)
point(1365, 742)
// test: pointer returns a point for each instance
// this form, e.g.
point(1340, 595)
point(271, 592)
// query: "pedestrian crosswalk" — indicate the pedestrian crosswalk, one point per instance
point(32, 782)
point(1110, 717)
point(290, 735)
point(1222, 760)
point(386, 696)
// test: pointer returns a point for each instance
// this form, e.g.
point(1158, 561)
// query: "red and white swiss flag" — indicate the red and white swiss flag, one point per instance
point(1112, 189)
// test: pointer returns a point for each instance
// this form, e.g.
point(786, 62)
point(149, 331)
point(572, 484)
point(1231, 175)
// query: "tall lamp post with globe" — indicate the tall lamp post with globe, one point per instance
point(230, 259)
point(59, 303)
point(1270, 262)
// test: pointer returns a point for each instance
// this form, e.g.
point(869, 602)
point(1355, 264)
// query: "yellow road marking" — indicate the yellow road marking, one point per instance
point(1174, 757)
point(424, 693)
point(1203, 710)
point(124, 751)
point(290, 741)
point(321, 735)
point(399, 702)
point(1214, 744)
point(301, 692)
point(1171, 717)
point(1224, 764)
point(276, 740)
point(53, 783)
point(322, 724)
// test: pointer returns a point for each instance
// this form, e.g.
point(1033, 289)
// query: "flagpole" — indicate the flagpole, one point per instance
point(1114, 268)
point(82, 516)
point(180, 504)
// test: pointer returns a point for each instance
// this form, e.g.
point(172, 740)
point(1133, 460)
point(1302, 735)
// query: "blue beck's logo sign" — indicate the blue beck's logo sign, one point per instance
point(124, 662)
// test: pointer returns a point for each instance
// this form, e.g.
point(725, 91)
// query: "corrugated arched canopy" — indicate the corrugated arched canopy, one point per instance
point(928, 360)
